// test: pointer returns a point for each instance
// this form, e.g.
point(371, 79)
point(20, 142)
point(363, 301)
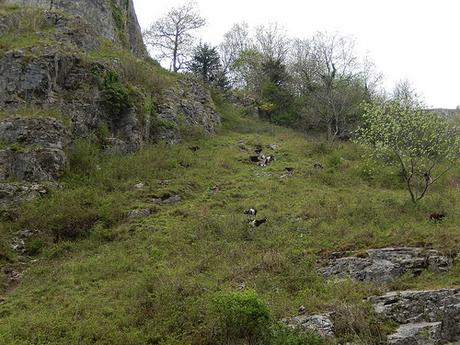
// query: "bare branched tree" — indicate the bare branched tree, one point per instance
point(336, 70)
point(272, 42)
point(171, 36)
point(236, 41)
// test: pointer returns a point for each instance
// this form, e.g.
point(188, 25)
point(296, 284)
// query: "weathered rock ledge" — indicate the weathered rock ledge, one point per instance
point(429, 317)
point(437, 311)
point(384, 265)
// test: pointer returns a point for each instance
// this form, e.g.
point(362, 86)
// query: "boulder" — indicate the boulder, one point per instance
point(139, 213)
point(386, 264)
point(167, 199)
point(320, 324)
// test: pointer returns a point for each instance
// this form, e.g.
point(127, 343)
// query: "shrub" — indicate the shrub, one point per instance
point(116, 95)
point(242, 316)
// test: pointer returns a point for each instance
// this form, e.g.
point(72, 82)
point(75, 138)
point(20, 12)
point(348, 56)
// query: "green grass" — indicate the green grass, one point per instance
point(101, 278)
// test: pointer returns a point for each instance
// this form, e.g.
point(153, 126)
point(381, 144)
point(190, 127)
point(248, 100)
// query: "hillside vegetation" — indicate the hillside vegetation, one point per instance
point(97, 276)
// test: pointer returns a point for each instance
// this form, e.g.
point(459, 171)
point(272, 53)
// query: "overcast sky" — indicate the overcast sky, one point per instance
point(407, 39)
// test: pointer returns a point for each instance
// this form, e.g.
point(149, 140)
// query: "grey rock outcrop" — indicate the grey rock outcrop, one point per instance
point(139, 213)
point(320, 324)
point(423, 333)
point(45, 132)
point(12, 193)
point(167, 199)
point(386, 264)
point(59, 77)
point(414, 308)
point(116, 20)
point(187, 103)
point(34, 149)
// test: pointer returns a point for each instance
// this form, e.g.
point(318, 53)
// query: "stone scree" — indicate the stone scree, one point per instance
point(384, 265)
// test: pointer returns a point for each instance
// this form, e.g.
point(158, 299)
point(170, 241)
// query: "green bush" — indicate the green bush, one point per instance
point(116, 95)
point(242, 317)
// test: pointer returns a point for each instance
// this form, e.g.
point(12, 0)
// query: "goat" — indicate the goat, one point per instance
point(257, 222)
point(251, 212)
point(437, 217)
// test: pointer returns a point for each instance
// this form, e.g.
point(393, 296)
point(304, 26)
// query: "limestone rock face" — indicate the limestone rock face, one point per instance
point(66, 75)
point(113, 19)
point(423, 333)
point(45, 132)
point(190, 103)
point(57, 80)
point(384, 265)
point(415, 307)
point(12, 193)
point(321, 324)
point(34, 151)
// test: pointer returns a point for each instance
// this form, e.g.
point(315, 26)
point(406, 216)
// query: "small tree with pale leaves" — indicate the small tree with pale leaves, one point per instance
point(424, 145)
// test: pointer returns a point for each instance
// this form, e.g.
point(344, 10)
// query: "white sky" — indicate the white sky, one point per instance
point(407, 39)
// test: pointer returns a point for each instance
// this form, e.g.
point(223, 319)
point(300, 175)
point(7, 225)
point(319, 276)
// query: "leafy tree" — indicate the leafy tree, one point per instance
point(331, 82)
point(424, 145)
point(171, 36)
point(206, 64)
point(236, 40)
point(274, 92)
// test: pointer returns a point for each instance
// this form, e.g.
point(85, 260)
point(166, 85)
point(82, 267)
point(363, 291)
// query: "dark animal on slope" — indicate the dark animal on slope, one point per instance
point(318, 166)
point(437, 217)
point(257, 222)
point(251, 212)
point(254, 159)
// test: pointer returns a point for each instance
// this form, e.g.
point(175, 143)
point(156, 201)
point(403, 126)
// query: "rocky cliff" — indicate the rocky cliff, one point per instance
point(114, 19)
point(67, 73)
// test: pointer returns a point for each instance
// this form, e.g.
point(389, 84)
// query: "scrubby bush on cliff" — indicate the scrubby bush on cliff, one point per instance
point(116, 95)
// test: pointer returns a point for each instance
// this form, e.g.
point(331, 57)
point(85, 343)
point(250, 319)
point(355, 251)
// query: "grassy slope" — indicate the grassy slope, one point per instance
point(150, 281)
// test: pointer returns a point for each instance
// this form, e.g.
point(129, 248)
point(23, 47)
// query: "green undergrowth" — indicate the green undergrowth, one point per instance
point(195, 272)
